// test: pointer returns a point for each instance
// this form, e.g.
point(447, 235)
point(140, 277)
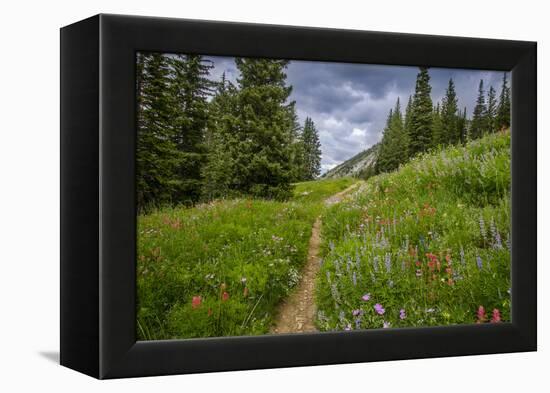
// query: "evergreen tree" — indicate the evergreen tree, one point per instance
point(190, 87)
point(407, 124)
point(478, 126)
point(312, 151)
point(439, 136)
point(297, 149)
point(156, 151)
point(221, 142)
point(256, 133)
point(449, 116)
point(503, 108)
point(491, 114)
point(420, 133)
point(393, 147)
point(462, 127)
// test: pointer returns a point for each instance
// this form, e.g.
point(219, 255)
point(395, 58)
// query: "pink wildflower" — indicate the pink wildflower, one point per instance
point(481, 316)
point(496, 316)
point(196, 302)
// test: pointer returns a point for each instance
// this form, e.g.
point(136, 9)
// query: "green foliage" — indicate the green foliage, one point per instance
point(311, 151)
point(450, 124)
point(157, 154)
point(172, 116)
point(479, 120)
point(420, 132)
point(439, 134)
point(252, 136)
point(393, 147)
point(503, 108)
point(431, 239)
point(250, 249)
point(190, 90)
point(491, 114)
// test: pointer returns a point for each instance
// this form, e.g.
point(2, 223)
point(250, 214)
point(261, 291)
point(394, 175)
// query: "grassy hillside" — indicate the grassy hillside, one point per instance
point(426, 245)
point(220, 269)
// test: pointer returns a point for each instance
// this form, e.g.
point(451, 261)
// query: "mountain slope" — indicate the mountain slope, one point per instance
point(360, 165)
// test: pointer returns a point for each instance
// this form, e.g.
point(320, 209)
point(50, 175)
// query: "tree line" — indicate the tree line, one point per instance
point(200, 139)
point(424, 125)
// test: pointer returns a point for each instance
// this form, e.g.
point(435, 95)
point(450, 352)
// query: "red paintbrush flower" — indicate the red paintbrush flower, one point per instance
point(496, 316)
point(196, 302)
point(481, 316)
point(225, 296)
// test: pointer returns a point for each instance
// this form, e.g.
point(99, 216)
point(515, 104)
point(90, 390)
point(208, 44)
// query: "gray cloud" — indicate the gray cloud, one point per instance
point(349, 103)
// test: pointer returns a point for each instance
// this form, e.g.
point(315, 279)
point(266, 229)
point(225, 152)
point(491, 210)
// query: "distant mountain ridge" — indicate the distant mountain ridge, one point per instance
point(360, 165)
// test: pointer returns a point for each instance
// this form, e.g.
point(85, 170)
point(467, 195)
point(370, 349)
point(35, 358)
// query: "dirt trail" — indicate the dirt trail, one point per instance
point(296, 314)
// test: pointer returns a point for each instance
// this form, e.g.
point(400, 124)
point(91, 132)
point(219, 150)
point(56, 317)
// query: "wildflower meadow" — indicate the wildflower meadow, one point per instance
point(426, 245)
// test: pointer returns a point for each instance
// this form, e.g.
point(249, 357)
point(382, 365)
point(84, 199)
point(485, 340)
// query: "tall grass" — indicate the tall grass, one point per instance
point(425, 245)
point(219, 269)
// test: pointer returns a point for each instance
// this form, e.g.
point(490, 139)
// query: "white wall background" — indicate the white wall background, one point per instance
point(29, 194)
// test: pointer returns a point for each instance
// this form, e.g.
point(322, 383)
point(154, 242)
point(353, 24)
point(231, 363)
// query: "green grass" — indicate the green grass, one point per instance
point(241, 257)
point(430, 239)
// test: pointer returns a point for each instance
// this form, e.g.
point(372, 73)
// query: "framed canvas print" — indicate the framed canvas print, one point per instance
point(239, 196)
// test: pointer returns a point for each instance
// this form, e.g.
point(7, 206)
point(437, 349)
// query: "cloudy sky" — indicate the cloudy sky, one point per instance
point(349, 103)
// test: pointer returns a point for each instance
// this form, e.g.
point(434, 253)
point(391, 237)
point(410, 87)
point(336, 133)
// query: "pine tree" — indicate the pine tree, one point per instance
point(221, 141)
point(190, 87)
point(407, 123)
point(312, 151)
point(155, 147)
point(383, 159)
point(462, 127)
point(503, 108)
point(297, 158)
point(491, 114)
point(439, 136)
point(420, 132)
point(449, 117)
point(393, 147)
point(256, 133)
point(478, 126)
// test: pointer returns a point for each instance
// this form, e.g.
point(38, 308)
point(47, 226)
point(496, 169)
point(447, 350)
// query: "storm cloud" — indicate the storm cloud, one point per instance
point(349, 103)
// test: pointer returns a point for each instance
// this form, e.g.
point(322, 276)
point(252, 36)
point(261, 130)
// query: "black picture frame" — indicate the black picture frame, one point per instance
point(98, 204)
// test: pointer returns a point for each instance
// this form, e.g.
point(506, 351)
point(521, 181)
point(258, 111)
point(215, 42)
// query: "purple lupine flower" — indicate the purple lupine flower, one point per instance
point(354, 278)
point(379, 309)
point(366, 297)
point(402, 314)
point(386, 325)
point(497, 242)
point(479, 262)
point(357, 312)
point(462, 259)
point(387, 262)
